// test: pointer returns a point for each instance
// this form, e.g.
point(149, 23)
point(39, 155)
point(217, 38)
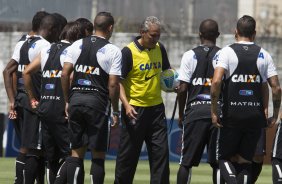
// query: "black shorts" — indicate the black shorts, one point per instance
point(261, 145)
point(197, 135)
point(277, 143)
point(240, 141)
point(28, 124)
point(88, 127)
point(56, 139)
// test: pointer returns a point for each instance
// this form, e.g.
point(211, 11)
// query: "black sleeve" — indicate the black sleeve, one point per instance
point(166, 64)
point(127, 62)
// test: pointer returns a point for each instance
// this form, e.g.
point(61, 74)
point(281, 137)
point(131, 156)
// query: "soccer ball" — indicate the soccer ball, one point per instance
point(169, 80)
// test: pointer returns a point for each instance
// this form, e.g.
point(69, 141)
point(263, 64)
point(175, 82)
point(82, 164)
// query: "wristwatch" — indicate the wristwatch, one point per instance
point(116, 113)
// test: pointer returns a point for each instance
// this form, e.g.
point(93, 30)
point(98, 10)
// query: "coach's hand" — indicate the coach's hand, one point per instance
point(216, 120)
point(130, 112)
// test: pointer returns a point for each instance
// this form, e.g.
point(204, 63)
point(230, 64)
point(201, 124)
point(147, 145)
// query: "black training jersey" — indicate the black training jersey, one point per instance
point(242, 94)
point(23, 62)
point(198, 103)
point(90, 82)
point(52, 104)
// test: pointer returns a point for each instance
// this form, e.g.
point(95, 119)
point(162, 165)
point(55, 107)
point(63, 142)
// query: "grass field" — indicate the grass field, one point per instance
point(200, 175)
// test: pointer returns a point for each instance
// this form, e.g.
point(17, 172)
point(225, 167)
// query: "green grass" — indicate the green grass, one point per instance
point(200, 175)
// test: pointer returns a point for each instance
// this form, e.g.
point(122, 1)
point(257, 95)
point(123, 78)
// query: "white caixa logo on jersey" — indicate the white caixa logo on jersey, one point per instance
point(202, 81)
point(87, 69)
point(52, 73)
point(246, 78)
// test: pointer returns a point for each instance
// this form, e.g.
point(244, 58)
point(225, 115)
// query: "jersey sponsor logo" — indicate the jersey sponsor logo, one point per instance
point(245, 47)
point(87, 69)
point(21, 68)
point(246, 104)
point(200, 103)
point(149, 66)
point(149, 77)
point(246, 92)
point(204, 97)
point(102, 50)
point(51, 73)
point(246, 78)
point(202, 81)
point(33, 45)
point(50, 97)
point(84, 82)
point(261, 55)
point(50, 86)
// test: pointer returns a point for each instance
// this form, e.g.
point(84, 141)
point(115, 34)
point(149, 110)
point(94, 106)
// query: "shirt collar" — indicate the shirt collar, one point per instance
point(137, 44)
point(245, 42)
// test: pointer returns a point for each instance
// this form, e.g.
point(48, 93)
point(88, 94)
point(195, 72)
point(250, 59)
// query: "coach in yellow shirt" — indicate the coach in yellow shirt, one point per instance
point(143, 112)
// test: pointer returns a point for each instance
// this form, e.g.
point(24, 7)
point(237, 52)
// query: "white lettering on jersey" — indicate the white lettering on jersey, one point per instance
point(246, 78)
point(51, 74)
point(202, 81)
point(87, 69)
point(249, 104)
point(50, 98)
point(21, 68)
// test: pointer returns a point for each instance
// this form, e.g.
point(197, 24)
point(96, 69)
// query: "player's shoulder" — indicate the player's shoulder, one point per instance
point(189, 54)
point(112, 49)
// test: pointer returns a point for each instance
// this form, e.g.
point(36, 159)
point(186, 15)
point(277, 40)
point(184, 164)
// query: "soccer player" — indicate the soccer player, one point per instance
point(143, 112)
point(51, 107)
point(29, 159)
point(246, 66)
point(195, 76)
point(96, 64)
point(87, 26)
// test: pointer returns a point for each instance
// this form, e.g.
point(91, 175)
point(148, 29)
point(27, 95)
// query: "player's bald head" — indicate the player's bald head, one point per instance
point(209, 29)
point(103, 20)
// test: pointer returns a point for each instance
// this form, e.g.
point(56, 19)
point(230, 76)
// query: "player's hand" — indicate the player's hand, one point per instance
point(34, 103)
point(131, 113)
point(216, 120)
point(12, 112)
point(66, 110)
point(115, 122)
point(271, 121)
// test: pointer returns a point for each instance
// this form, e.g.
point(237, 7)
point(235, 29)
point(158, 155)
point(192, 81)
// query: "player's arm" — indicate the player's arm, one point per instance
point(8, 81)
point(65, 80)
point(32, 68)
point(265, 98)
point(114, 96)
point(182, 96)
point(276, 97)
point(215, 92)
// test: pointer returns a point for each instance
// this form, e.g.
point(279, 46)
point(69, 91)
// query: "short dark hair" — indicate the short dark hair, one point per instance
point(209, 29)
point(49, 25)
point(246, 26)
point(86, 25)
point(36, 20)
point(71, 32)
point(61, 21)
point(103, 20)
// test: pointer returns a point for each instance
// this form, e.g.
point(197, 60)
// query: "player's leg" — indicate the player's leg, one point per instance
point(131, 141)
point(98, 134)
point(245, 155)
point(213, 155)
point(257, 161)
point(277, 156)
point(229, 140)
point(276, 170)
point(78, 137)
point(33, 141)
point(195, 137)
point(157, 144)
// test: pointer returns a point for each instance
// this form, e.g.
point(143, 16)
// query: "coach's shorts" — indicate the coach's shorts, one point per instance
point(88, 127)
point(277, 143)
point(56, 139)
point(240, 141)
point(27, 124)
point(261, 145)
point(197, 135)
